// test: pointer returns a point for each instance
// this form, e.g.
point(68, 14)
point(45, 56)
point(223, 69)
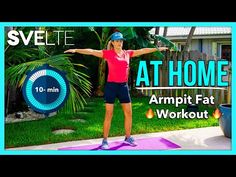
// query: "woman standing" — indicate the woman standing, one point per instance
point(116, 87)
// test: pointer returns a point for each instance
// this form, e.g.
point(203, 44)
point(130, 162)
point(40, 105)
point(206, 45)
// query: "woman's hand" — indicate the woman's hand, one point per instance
point(163, 48)
point(70, 51)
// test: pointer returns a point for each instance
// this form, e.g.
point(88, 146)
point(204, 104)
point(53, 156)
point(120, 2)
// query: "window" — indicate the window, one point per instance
point(180, 45)
point(226, 52)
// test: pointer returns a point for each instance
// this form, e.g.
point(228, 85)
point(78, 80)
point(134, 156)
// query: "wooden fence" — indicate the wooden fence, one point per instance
point(220, 96)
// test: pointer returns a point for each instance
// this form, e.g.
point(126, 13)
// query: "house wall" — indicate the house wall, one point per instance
point(195, 45)
point(208, 46)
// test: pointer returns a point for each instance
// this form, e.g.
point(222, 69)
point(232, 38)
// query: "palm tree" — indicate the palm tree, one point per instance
point(138, 37)
point(157, 30)
point(78, 83)
point(20, 59)
point(15, 55)
point(189, 38)
point(165, 31)
point(103, 41)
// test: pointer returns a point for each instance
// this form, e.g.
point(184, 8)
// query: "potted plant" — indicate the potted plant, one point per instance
point(225, 119)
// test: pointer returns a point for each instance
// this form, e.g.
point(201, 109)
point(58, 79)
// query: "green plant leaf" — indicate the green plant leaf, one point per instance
point(79, 84)
point(166, 42)
point(128, 32)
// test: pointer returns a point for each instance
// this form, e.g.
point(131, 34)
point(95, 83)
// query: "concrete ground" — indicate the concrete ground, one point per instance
point(210, 138)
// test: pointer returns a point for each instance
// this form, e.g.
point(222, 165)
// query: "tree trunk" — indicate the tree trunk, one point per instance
point(164, 34)
point(186, 49)
point(165, 31)
point(102, 65)
point(189, 39)
point(157, 29)
point(101, 77)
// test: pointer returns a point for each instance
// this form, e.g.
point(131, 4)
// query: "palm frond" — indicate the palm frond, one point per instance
point(14, 56)
point(93, 30)
point(78, 81)
point(128, 32)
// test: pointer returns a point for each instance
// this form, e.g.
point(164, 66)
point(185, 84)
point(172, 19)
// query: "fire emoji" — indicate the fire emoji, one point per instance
point(217, 113)
point(150, 113)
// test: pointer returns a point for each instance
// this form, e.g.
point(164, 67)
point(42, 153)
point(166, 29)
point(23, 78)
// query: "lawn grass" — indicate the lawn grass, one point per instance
point(40, 131)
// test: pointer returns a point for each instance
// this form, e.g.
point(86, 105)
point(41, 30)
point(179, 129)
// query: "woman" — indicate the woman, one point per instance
point(116, 86)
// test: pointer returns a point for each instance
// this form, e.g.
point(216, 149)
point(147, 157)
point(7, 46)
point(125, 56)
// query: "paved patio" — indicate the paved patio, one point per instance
point(210, 138)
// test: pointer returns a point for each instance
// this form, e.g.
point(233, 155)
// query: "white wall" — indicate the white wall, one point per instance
point(195, 45)
point(207, 46)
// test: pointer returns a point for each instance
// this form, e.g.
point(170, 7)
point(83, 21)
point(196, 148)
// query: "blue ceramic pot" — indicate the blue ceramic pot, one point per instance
point(225, 119)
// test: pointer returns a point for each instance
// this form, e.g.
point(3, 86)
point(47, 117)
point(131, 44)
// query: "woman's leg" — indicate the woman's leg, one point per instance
point(107, 120)
point(127, 108)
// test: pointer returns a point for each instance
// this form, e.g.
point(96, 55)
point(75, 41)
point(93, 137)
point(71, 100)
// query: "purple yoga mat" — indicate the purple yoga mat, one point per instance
point(155, 143)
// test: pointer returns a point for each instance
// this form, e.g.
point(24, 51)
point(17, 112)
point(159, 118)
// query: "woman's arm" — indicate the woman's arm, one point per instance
point(147, 50)
point(96, 53)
